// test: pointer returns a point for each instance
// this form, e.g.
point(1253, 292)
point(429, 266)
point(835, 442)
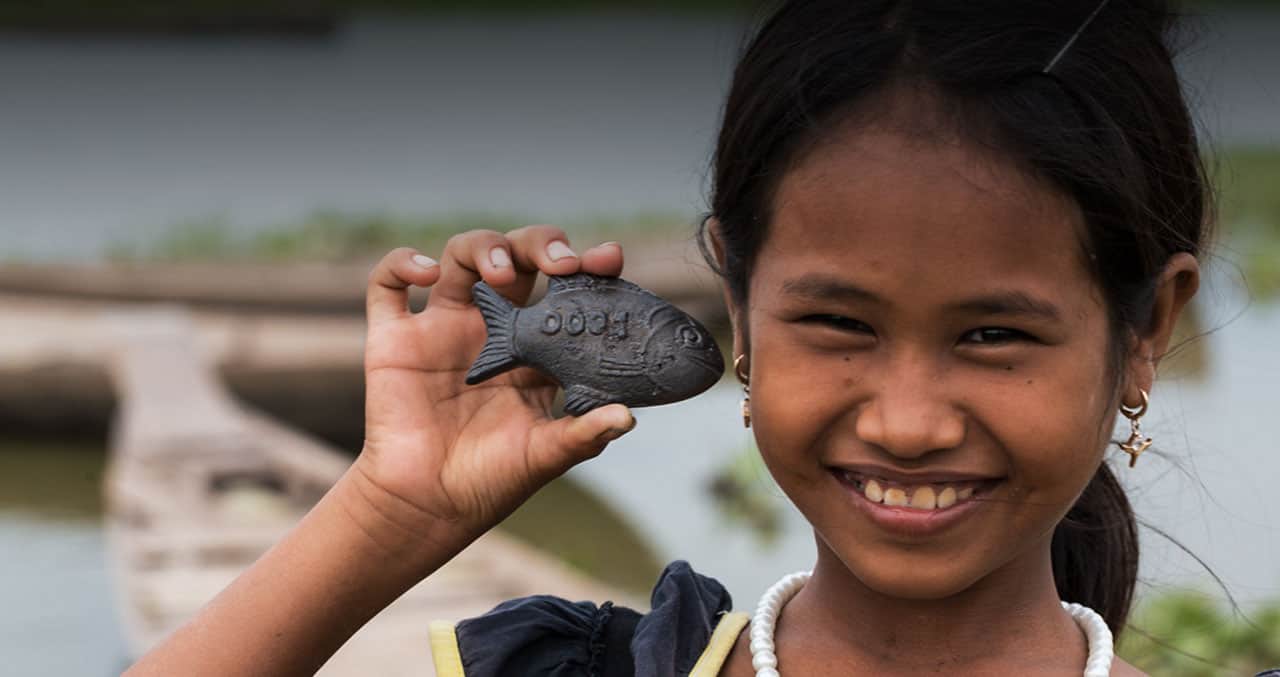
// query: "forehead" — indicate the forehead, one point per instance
point(922, 213)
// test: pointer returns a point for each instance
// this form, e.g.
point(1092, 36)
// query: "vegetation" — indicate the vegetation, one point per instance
point(1190, 635)
point(338, 236)
point(744, 495)
point(1249, 205)
point(1248, 182)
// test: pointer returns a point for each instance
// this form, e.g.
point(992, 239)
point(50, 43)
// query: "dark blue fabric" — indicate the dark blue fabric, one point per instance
point(685, 607)
point(539, 635)
point(544, 635)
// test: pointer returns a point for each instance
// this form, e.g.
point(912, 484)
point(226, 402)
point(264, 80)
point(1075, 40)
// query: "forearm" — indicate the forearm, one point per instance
point(349, 558)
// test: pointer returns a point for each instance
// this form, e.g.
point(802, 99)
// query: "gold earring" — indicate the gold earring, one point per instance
point(1136, 444)
point(746, 389)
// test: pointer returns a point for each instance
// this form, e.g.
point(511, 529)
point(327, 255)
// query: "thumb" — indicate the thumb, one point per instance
point(570, 440)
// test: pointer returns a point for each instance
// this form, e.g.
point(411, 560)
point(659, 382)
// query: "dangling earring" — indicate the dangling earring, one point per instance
point(1136, 444)
point(739, 371)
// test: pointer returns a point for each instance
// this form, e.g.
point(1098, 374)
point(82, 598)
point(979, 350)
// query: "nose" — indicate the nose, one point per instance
point(909, 415)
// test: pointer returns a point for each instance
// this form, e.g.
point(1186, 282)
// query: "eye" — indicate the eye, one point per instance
point(995, 336)
point(839, 322)
point(689, 335)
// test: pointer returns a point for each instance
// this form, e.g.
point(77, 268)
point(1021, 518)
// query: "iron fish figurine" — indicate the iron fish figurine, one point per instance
point(604, 339)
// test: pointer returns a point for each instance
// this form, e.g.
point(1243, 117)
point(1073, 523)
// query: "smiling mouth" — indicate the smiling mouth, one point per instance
point(927, 497)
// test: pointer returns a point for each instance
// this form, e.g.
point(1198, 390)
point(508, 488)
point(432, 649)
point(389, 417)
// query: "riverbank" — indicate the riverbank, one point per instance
point(287, 338)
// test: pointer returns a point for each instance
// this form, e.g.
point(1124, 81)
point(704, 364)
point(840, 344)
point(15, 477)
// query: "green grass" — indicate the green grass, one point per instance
point(1248, 182)
point(1187, 634)
point(337, 236)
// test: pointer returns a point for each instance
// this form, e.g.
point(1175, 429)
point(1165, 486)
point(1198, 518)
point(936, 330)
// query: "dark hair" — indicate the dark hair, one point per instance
point(1108, 127)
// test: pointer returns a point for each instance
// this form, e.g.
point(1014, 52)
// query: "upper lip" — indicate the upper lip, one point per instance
point(933, 476)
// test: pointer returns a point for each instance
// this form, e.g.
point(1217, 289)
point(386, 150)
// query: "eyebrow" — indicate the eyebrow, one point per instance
point(816, 286)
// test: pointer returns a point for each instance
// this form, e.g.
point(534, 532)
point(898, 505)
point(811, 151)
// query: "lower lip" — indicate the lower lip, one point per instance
point(913, 522)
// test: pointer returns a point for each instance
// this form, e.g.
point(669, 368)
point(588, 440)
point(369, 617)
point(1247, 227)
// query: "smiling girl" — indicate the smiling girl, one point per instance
point(955, 238)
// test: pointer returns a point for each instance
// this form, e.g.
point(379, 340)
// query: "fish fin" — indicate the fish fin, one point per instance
point(562, 283)
point(631, 286)
point(579, 399)
point(498, 354)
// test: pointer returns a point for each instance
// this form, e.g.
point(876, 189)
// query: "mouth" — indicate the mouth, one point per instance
point(710, 363)
point(917, 508)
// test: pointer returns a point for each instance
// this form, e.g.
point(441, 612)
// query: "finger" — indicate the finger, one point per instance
point(565, 442)
point(537, 249)
point(388, 294)
point(467, 259)
point(603, 259)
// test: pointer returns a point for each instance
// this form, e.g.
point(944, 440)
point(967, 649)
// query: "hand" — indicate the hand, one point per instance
point(436, 448)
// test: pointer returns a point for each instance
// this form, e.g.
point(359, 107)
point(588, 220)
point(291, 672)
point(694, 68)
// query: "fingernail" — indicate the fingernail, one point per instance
point(558, 250)
point(499, 257)
point(424, 261)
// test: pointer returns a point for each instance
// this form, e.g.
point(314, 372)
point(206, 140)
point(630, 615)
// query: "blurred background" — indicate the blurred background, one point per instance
point(241, 165)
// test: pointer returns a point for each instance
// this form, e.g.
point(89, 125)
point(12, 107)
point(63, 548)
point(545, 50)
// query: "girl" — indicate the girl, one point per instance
point(954, 238)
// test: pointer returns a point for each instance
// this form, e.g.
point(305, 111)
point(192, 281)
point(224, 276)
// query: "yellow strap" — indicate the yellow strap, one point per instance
point(444, 650)
point(722, 640)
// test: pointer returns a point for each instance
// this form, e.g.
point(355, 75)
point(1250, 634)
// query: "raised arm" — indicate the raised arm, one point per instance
point(442, 463)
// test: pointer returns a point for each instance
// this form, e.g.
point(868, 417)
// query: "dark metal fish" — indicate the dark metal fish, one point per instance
point(604, 339)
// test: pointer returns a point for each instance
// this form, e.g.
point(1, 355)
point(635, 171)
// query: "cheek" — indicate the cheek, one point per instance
point(794, 405)
point(1055, 431)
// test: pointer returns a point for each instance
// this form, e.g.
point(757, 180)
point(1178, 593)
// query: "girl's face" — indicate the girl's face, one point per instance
point(928, 359)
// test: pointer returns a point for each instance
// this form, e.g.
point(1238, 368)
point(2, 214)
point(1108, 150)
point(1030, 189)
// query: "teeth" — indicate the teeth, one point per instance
point(924, 499)
point(920, 498)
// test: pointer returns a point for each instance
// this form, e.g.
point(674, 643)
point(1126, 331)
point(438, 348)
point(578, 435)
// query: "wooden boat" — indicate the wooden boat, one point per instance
point(198, 487)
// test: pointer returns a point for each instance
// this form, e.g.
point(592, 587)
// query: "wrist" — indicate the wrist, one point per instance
point(393, 530)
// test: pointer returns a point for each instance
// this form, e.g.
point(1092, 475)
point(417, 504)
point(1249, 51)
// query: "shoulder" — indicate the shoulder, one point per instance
point(543, 634)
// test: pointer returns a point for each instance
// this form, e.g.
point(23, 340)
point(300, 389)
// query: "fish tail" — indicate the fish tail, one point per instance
point(498, 354)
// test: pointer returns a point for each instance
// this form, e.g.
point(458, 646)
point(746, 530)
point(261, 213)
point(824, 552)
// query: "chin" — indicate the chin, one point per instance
point(914, 585)
point(912, 576)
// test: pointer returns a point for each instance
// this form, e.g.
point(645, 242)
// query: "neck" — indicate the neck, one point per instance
point(1010, 617)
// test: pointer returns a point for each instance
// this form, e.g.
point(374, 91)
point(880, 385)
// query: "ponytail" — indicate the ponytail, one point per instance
point(1095, 550)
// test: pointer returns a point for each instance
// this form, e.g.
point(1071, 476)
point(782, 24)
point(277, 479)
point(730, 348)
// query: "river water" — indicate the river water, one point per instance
point(108, 141)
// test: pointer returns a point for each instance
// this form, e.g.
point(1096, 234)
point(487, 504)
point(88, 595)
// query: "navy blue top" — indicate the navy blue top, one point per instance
point(544, 635)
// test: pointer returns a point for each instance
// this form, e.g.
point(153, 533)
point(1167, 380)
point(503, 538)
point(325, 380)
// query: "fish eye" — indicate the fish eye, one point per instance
point(689, 335)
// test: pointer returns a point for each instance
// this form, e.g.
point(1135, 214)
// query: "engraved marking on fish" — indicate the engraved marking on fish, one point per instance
point(604, 339)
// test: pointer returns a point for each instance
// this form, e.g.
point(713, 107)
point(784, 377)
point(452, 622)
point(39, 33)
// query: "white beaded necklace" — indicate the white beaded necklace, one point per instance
point(765, 661)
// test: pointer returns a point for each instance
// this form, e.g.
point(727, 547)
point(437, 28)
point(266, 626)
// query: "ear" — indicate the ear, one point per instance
point(736, 317)
point(1178, 283)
